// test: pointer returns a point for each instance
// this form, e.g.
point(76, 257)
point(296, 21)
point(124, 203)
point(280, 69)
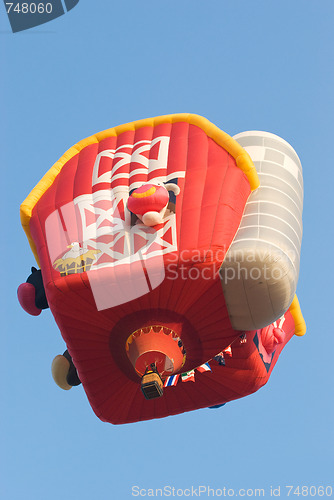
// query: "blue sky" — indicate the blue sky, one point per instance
point(263, 65)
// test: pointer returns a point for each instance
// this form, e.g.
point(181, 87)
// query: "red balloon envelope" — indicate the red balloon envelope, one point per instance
point(130, 284)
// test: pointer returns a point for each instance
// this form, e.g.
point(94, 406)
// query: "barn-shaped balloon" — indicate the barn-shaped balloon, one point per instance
point(169, 253)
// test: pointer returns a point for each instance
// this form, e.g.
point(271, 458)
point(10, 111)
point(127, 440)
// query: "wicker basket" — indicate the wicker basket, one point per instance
point(151, 385)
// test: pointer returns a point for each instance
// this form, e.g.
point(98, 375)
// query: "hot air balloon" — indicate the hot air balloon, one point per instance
point(169, 257)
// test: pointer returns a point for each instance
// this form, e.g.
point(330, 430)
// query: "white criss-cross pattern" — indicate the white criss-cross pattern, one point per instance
point(106, 226)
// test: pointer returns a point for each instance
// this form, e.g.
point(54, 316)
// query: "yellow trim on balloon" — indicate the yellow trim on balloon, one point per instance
point(300, 325)
point(242, 158)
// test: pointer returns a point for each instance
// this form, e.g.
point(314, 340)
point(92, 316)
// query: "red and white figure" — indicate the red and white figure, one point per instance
point(150, 202)
point(129, 251)
point(270, 337)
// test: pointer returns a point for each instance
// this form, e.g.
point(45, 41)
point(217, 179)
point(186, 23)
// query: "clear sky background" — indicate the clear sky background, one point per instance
point(244, 65)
